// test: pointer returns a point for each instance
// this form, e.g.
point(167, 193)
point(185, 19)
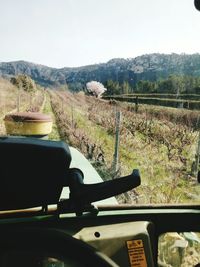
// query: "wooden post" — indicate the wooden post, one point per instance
point(117, 134)
point(136, 104)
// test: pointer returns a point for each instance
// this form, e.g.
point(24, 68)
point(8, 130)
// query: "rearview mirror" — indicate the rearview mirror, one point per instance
point(197, 4)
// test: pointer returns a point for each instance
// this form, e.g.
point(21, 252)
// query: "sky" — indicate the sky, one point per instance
point(70, 33)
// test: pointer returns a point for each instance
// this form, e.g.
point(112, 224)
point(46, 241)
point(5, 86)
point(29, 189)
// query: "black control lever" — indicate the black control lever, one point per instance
point(82, 195)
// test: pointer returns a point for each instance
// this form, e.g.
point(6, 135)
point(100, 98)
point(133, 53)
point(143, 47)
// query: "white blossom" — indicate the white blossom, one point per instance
point(96, 88)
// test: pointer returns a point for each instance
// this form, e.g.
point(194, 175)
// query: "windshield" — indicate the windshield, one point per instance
point(121, 81)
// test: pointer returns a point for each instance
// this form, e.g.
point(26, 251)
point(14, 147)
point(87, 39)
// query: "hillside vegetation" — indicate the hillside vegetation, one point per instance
point(153, 70)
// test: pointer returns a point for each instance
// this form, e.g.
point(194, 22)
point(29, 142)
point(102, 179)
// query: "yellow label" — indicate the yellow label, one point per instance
point(136, 253)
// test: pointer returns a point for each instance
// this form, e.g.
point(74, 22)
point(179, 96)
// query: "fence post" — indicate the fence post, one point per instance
point(136, 104)
point(117, 134)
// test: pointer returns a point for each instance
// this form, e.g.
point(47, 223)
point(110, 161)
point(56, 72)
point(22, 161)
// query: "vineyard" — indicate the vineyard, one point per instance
point(160, 142)
point(169, 100)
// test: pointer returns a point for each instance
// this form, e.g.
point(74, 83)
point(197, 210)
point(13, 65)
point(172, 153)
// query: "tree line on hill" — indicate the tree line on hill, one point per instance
point(174, 84)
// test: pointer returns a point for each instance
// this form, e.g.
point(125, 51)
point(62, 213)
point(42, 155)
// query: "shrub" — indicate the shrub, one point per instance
point(25, 82)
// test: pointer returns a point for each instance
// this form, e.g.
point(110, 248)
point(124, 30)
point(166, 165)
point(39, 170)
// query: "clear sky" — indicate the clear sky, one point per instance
point(68, 33)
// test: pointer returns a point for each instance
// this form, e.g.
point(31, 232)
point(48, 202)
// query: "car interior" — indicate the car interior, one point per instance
point(42, 226)
point(73, 232)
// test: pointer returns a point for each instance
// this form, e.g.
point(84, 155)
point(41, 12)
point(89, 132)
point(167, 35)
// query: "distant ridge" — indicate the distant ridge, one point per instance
point(146, 67)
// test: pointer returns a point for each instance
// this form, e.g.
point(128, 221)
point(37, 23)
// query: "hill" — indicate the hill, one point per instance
point(146, 67)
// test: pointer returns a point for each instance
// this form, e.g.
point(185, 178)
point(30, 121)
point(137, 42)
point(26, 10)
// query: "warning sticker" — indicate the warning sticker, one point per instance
point(136, 253)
